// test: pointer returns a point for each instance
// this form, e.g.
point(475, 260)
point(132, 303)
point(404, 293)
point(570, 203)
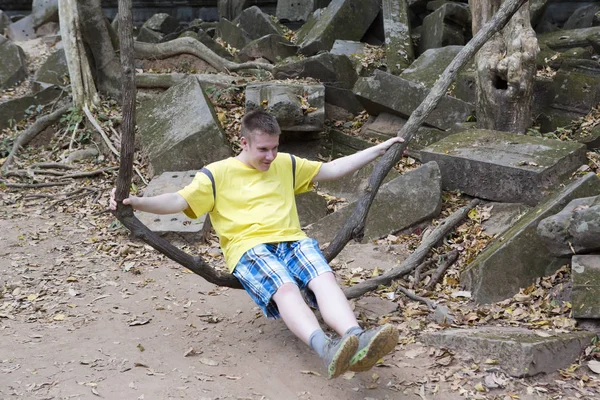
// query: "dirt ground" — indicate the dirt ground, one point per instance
point(87, 312)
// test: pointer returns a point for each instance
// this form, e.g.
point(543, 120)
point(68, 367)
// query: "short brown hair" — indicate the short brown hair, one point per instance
point(257, 122)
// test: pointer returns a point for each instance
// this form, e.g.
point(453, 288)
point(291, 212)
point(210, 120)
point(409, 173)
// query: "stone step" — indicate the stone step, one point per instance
point(519, 352)
point(585, 295)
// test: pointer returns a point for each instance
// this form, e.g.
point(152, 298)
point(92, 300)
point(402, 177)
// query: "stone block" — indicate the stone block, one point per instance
point(297, 108)
point(209, 42)
point(343, 145)
point(384, 92)
point(270, 47)
point(518, 257)
point(179, 224)
point(573, 230)
point(257, 24)
point(585, 295)
point(400, 203)
point(502, 216)
point(347, 47)
point(180, 138)
point(311, 207)
point(584, 17)
point(399, 53)
point(294, 10)
point(520, 352)
point(14, 110)
point(448, 25)
point(564, 40)
point(427, 69)
point(163, 23)
point(146, 35)
point(54, 70)
point(342, 19)
point(387, 125)
point(232, 34)
point(352, 186)
point(13, 68)
point(502, 166)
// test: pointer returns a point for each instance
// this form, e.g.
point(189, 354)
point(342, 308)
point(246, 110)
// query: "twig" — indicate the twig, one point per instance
point(413, 261)
point(100, 130)
point(52, 165)
point(450, 259)
point(33, 185)
point(425, 265)
point(137, 171)
point(414, 297)
point(38, 126)
point(90, 173)
point(72, 195)
point(72, 136)
point(30, 173)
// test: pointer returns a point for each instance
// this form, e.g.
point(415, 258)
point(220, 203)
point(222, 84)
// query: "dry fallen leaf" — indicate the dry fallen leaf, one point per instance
point(594, 366)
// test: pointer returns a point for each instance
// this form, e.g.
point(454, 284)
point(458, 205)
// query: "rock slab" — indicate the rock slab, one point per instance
point(504, 167)
point(520, 352)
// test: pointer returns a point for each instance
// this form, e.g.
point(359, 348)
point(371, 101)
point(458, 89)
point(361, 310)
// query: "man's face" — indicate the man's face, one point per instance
point(261, 150)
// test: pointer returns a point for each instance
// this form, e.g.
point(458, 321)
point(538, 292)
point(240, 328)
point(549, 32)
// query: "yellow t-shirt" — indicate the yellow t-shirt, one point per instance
point(252, 207)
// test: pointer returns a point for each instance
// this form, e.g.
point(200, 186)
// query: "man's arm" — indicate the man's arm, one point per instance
point(343, 166)
point(168, 203)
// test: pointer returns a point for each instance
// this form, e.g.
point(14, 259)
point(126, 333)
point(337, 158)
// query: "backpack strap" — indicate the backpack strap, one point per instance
point(207, 172)
point(293, 171)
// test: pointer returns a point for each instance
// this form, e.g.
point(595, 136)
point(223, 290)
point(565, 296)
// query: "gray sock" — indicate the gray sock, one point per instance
point(355, 330)
point(317, 341)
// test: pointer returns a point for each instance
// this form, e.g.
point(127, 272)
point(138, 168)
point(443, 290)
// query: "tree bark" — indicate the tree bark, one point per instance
point(188, 45)
point(506, 70)
point(354, 226)
point(82, 84)
point(94, 29)
point(125, 213)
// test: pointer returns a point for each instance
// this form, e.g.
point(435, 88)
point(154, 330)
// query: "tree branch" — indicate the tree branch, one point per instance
point(354, 226)
point(445, 227)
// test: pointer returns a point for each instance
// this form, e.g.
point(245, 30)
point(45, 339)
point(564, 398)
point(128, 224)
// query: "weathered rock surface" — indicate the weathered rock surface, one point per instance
point(54, 71)
point(575, 87)
point(13, 68)
point(181, 138)
point(257, 24)
point(385, 92)
point(14, 110)
point(518, 257)
point(430, 65)
point(585, 294)
point(311, 207)
point(299, 108)
point(520, 352)
point(347, 47)
point(179, 224)
point(446, 26)
point(400, 203)
point(502, 216)
point(336, 72)
point(163, 23)
point(584, 17)
point(575, 229)
point(399, 53)
point(42, 11)
point(502, 166)
point(232, 34)
point(342, 19)
point(563, 40)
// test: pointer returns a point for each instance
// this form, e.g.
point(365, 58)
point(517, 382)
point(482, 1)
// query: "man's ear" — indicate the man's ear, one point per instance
point(244, 142)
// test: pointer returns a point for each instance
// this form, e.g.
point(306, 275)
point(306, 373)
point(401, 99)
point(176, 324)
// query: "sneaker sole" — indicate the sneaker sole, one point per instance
point(381, 344)
point(341, 359)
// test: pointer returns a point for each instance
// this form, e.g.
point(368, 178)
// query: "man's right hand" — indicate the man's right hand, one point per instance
point(113, 202)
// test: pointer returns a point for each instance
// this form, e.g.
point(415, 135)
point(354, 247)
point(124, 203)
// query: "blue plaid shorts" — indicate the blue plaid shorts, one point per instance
point(264, 268)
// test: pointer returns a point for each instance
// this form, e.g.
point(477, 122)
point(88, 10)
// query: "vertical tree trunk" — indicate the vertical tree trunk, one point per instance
point(82, 83)
point(506, 70)
point(94, 29)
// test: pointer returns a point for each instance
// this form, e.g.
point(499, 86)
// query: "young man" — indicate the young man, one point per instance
point(252, 206)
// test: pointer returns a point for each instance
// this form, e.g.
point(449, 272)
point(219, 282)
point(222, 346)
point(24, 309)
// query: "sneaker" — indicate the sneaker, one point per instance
point(372, 346)
point(337, 354)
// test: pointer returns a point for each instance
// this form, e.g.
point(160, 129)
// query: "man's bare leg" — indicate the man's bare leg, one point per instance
point(333, 304)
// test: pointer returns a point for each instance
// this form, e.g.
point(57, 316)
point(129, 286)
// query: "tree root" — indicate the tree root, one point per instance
point(27, 136)
point(413, 261)
point(450, 259)
point(188, 45)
